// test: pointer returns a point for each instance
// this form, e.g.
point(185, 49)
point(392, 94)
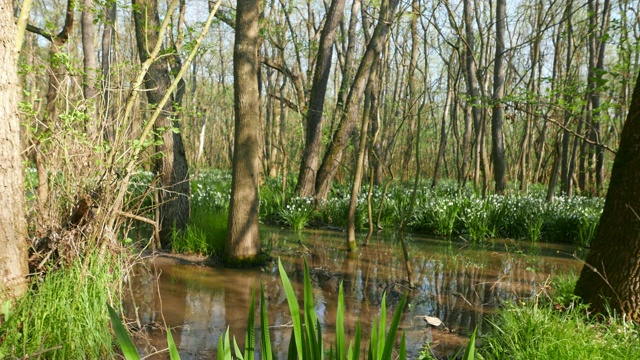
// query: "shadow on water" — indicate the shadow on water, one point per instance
point(455, 281)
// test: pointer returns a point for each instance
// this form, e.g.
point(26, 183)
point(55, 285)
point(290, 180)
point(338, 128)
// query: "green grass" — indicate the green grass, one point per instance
point(64, 316)
point(559, 328)
point(205, 234)
point(448, 210)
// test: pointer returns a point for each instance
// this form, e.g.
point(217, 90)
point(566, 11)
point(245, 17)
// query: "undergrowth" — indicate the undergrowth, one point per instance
point(559, 327)
point(64, 316)
point(448, 210)
point(205, 234)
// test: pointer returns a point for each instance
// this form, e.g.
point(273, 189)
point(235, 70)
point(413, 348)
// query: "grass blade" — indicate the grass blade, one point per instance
point(293, 351)
point(470, 351)
point(173, 349)
point(265, 338)
point(224, 346)
point(403, 348)
point(393, 328)
point(250, 338)
point(382, 329)
point(236, 349)
point(122, 336)
point(340, 337)
point(356, 345)
point(294, 308)
point(312, 350)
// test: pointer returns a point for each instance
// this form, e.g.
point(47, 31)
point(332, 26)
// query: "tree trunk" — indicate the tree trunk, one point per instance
point(411, 99)
point(347, 121)
point(596, 70)
point(443, 128)
point(89, 83)
point(107, 41)
point(172, 167)
point(474, 110)
point(243, 237)
point(610, 278)
point(565, 173)
point(311, 155)
point(497, 139)
point(362, 146)
point(13, 226)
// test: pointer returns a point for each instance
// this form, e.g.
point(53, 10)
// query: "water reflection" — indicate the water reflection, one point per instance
point(455, 281)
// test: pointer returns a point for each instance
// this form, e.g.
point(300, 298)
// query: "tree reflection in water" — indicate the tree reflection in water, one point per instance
point(455, 281)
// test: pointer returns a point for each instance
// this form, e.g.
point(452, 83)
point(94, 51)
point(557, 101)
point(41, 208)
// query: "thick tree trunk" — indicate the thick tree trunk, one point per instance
point(499, 166)
point(243, 237)
point(311, 154)
point(13, 226)
point(610, 278)
point(174, 200)
point(347, 121)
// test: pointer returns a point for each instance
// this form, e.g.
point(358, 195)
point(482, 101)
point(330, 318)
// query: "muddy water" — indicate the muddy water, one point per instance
point(455, 281)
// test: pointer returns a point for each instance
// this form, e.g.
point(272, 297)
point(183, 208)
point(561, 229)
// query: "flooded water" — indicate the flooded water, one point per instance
point(455, 281)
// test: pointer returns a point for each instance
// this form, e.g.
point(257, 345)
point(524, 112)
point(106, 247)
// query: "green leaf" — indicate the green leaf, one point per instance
point(236, 349)
point(173, 349)
point(356, 345)
point(224, 346)
point(292, 353)
point(382, 328)
point(122, 336)
point(393, 328)
point(312, 350)
point(340, 337)
point(265, 338)
point(294, 309)
point(470, 351)
point(403, 348)
point(250, 339)
point(221, 348)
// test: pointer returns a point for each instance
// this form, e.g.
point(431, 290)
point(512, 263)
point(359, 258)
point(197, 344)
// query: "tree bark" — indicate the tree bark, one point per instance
point(610, 278)
point(474, 110)
point(362, 146)
point(412, 98)
point(243, 238)
point(443, 127)
point(311, 155)
point(174, 200)
point(106, 45)
point(347, 121)
point(90, 75)
point(499, 166)
point(13, 226)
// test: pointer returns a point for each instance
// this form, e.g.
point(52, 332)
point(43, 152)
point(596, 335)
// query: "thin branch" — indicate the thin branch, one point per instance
point(290, 104)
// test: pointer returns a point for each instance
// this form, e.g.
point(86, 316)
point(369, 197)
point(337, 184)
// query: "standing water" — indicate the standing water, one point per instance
point(455, 281)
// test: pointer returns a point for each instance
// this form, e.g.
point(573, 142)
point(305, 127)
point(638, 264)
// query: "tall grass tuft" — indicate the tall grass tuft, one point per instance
point(205, 234)
point(559, 328)
point(63, 316)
